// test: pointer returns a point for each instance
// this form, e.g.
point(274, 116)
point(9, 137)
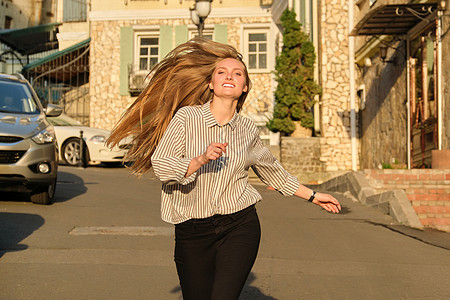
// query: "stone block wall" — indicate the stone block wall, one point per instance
point(383, 120)
point(106, 103)
point(301, 158)
point(334, 78)
point(428, 190)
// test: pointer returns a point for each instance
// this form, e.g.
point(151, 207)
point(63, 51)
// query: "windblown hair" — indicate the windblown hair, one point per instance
point(180, 79)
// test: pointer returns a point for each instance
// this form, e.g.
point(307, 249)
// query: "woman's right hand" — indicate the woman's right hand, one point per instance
point(212, 152)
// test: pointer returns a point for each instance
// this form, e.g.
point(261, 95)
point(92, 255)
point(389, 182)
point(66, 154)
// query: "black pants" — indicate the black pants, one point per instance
point(214, 256)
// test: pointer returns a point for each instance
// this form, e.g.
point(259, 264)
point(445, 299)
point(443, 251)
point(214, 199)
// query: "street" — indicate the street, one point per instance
point(103, 239)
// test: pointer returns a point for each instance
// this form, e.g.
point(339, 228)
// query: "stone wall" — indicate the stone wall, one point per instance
point(383, 119)
point(106, 104)
point(302, 157)
point(334, 79)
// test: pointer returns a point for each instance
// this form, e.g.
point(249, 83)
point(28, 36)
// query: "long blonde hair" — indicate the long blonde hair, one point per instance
point(180, 79)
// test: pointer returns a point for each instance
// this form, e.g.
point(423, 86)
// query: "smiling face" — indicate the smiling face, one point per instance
point(229, 79)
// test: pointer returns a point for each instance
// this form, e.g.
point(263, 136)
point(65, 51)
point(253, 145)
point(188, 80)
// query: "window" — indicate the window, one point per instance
point(207, 33)
point(256, 49)
point(75, 11)
point(148, 48)
point(145, 58)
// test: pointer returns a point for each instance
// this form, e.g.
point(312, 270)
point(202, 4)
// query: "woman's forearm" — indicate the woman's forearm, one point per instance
point(194, 165)
point(303, 192)
point(326, 201)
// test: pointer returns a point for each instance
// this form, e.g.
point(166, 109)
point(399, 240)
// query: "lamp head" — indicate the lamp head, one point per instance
point(194, 16)
point(203, 7)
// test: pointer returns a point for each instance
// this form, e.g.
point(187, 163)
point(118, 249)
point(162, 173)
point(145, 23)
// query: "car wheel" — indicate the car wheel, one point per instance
point(71, 152)
point(44, 195)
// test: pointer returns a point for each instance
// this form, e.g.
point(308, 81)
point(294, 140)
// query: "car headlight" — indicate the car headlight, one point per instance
point(44, 137)
point(98, 139)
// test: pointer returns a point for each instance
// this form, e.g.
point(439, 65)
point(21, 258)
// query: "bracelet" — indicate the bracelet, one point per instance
point(312, 196)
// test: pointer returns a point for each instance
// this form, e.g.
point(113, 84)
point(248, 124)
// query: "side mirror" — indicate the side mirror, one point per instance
point(53, 110)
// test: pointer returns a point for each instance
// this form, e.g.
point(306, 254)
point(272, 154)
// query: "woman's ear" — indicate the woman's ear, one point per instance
point(211, 87)
point(245, 89)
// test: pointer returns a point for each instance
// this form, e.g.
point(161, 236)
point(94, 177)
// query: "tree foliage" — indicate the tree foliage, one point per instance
point(294, 72)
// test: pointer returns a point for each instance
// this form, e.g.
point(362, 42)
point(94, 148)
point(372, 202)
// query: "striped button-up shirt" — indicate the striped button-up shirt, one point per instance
point(220, 186)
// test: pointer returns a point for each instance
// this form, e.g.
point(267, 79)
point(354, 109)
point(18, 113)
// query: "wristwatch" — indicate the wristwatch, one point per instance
point(313, 195)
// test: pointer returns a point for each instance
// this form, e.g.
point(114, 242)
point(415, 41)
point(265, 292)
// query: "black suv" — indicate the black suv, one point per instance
point(28, 150)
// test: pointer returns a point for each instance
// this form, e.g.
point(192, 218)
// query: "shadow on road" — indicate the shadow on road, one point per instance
point(14, 227)
point(68, 186)
point(103, 165)
point(252, 292)
point(248, 293)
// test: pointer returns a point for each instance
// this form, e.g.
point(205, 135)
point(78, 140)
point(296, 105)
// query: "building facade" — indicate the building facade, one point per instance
point(18, 15)
point(375, 110)
point(129, 37)
point(402, 73)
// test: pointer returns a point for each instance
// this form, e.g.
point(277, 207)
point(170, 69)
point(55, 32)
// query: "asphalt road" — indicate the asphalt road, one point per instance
point(103, 239)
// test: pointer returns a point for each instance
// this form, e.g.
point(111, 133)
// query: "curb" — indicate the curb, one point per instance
point(394, 202)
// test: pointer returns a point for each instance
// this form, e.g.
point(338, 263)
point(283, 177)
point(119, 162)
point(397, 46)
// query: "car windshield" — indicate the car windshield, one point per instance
point(63, 120)
point(16, 98)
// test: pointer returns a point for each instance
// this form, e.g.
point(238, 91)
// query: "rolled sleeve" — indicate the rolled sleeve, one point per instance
point(171, 170)
point(271, 172)
point(169, 162)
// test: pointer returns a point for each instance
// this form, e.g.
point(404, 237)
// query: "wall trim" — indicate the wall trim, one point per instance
point(156, 14)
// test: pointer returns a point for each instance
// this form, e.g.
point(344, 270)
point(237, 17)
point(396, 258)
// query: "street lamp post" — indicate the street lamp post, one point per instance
point(199, 13)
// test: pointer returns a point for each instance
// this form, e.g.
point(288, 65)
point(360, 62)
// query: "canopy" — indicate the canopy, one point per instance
point(394, 19)
point(31, 40)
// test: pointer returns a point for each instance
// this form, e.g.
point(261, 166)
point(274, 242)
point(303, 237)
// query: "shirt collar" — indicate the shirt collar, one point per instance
point(211, 121)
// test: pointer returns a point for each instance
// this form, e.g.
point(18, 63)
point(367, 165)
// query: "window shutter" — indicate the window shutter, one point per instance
point(220, 33)
point(74, 11)
point(165, 37)
point(181, 34)
point(126, 57)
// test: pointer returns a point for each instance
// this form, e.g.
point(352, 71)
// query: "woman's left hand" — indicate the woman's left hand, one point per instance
point(327, 202)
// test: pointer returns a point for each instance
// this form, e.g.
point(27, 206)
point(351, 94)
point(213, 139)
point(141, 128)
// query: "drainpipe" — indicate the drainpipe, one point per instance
point(408, 103)
point(37, 12)
point(315, 39)
point(439, 77)
point(351, 62)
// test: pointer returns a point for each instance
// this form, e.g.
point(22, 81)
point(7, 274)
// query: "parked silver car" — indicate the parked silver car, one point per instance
point(28, 150)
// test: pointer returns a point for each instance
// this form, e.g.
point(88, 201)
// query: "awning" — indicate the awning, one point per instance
point(394, 19)
point(61, 65)
point(31, 40)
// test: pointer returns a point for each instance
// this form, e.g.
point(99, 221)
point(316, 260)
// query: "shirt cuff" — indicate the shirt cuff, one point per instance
point(181, 171)
point(290, 187)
